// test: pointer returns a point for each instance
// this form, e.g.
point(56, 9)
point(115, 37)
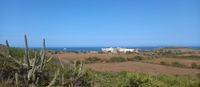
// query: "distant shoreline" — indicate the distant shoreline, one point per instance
point(83, 49)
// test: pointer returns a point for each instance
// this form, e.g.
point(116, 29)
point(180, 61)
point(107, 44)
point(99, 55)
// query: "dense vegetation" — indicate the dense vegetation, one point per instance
point(164, 52)
point(126, 79)
point(93, 60)
point(113, 59)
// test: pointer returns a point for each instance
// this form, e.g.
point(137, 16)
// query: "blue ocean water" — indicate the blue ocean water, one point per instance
point(99, 48)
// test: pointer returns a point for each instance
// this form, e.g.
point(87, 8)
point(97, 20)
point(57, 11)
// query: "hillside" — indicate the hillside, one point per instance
point(59, 73)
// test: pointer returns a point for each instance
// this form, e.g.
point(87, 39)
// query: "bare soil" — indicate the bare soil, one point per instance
point(142, 67)
point(184, 50)
point(186, 62)
point(145, 66)
point(73, 56)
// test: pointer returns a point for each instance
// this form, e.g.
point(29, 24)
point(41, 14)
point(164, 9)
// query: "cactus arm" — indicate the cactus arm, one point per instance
point(26, 52)
point(49, 59)
point(43, 55)
point(33, 69)
point(8, 49)
point(16, 79)
point(61, 63)
point(54, 79)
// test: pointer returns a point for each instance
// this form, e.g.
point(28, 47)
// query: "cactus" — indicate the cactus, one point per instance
point(26, 52)
point(16, 79)
point(62, 76)
point(31, 71)
point(8, 49)
point(54, 79)
point(77, 73)
point(43, 55)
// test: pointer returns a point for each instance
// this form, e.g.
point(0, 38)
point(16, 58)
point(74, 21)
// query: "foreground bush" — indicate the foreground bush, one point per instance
point(126, 79)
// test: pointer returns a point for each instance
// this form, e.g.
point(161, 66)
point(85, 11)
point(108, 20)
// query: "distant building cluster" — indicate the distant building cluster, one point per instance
point(119, 50)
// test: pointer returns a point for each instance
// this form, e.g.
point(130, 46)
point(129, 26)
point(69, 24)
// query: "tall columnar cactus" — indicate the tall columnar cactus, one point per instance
point(54, 78)
point(8, 49)
point(16, 79)
point(26, 52)
point(62, 75)
point(32, 71)
point(77, 73)
point(43, 55)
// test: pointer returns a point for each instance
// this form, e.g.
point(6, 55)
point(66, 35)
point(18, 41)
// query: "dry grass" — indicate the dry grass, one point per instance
point(142, 67)
point(184, 50)
point(73, 56)
point(134, 66)
point(186, 62)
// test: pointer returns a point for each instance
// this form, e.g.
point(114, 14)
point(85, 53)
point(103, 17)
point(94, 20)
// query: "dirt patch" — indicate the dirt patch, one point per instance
point(73, 56)
point(186, 62)
point(183, 50)
point(142, 67)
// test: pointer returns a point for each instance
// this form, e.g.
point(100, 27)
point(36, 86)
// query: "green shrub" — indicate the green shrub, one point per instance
point(1, 55)
point(136, 58)
point(193, 56)
point(177, 64)
point(19, 52)
point(92, 60)
point(164, 63)
point(198, 67)
point(131, 59)
point(117, 59)
point(8, 68)
point(194, 65)
point(127, 79)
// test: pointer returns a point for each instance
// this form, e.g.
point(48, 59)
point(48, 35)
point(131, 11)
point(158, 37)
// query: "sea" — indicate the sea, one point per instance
point(84, 49)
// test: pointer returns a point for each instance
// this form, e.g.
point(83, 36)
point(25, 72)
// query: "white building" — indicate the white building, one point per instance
point(109, 50)
point(119, 50)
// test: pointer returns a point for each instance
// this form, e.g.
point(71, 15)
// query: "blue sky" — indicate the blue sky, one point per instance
point(77, 23)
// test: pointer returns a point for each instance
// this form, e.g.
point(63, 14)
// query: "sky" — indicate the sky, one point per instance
point(90, 23)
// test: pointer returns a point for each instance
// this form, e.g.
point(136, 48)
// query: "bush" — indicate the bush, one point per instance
point(177, 64)
point(198, 67)
point(193, 56)
point(8, 68)
point(131, 59)
point(19, 52)
point(164, 63)
point(136, 58)
point(126, 79)
point(117, 59)
point(92, 60)
point(194, 65)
